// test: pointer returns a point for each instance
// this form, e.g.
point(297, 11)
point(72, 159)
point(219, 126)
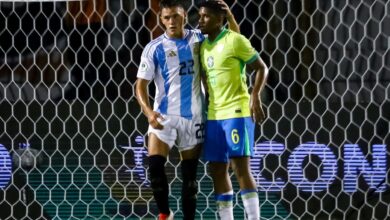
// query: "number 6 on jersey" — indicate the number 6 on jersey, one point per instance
point(235, 136)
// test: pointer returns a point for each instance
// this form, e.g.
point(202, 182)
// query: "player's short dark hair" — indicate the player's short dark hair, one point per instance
point(213, 6)
point(171, 3)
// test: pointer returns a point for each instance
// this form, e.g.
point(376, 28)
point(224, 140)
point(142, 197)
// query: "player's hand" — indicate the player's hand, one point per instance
point(154, 119)
point(226, 8)
point(256, 108)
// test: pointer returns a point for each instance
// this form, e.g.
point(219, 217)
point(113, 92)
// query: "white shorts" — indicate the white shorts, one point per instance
point(181, 131)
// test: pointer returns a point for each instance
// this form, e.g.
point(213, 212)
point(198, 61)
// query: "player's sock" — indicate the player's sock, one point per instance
point(250, 199)
point(159, 182)
point(189, 188)
point(225, 205)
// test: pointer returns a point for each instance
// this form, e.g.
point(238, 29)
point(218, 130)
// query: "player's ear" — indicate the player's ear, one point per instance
point(222, 18)
point(159, 21)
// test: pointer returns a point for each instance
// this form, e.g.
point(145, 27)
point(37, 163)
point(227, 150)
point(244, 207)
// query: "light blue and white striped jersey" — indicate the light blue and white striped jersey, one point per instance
point(174, 66)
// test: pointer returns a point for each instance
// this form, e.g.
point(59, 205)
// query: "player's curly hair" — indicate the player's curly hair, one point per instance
point(171, 3)
point(213, 6)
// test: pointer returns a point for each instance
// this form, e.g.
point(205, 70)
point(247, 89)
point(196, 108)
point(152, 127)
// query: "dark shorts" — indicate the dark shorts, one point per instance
point(228, 138)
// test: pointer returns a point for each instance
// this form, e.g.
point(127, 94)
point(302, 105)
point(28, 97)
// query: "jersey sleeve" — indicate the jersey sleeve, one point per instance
point(243, 49)
point(146, 68)
point(199, 35)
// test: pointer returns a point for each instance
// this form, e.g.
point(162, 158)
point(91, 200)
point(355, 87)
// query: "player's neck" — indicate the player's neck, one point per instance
point(214, 34)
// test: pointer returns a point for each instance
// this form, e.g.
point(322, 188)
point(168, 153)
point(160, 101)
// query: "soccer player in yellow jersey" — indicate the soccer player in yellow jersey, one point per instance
point(176, 117)
point(231, 110)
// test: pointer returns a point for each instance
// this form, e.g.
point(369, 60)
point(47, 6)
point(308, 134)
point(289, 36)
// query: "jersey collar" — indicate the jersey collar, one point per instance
point(220, 35)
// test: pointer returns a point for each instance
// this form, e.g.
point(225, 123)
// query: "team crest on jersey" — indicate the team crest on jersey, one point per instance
point(210, 61)
point(143, 67)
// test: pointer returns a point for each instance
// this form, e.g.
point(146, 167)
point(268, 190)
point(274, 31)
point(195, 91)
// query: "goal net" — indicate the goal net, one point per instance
point(73, 137)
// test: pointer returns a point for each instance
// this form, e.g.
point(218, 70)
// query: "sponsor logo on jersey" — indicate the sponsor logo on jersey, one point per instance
point(172, 54)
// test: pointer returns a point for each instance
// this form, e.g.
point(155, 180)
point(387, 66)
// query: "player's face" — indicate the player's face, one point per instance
point(208, 21)
point(174, 20)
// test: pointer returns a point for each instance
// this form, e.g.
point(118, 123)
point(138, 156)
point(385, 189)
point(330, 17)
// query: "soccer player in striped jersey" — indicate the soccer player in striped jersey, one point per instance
point(172, 62)
point(229, 135)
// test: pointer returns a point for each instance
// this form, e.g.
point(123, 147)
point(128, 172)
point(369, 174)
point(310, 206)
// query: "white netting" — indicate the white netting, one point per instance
point(67, 89)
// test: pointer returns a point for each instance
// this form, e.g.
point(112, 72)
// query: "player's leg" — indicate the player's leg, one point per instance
point(189, 165)
point(223, 189)
point(241, 143)
point(248, 187)
point(215, 151)
point(159, 144)
point(190, 138)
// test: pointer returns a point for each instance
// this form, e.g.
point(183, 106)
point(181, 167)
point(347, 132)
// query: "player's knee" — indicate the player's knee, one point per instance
point(241, 170)
point(158, 179)
point(190, 189)
point(219, 172)
point(190, 185)
point(242, 173)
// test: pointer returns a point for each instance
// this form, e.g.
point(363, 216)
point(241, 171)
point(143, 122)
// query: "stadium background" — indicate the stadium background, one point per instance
point(328, 84)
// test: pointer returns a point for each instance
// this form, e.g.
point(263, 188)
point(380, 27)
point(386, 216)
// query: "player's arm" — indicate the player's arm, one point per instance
point(203, 78)
point(261, 71)
point(143, 100)
point(232, 23)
